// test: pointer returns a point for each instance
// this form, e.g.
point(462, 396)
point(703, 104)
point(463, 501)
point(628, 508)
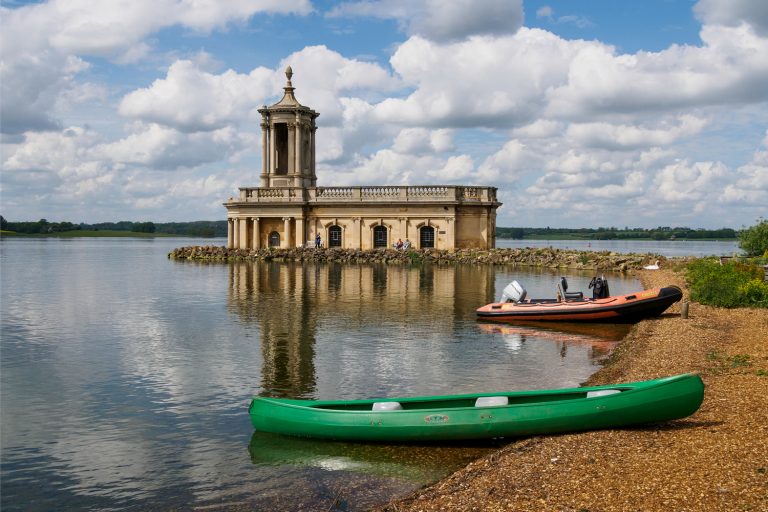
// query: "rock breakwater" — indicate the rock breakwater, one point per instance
point(536, 257)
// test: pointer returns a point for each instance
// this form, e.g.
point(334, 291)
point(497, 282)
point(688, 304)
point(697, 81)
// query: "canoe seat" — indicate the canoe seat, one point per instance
point(491, 401)
point(387, 406)
point(602, 392)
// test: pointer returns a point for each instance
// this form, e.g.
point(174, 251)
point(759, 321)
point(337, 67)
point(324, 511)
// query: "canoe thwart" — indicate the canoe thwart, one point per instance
point(602, 392)
point(491, 401)
point(387, 406)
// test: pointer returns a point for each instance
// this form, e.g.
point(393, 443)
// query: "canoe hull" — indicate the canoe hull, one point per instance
point(446, 418)
point(629, 308)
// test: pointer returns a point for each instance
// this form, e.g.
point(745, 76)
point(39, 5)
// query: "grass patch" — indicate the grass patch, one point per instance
point(740, 360)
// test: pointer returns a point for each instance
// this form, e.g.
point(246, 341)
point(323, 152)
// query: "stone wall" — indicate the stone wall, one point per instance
point(537, 257)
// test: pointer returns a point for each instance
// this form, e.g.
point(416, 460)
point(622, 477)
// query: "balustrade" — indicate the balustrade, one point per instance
point(404, 193)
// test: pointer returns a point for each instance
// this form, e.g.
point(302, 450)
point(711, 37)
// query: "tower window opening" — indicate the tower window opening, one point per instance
point(281, 148)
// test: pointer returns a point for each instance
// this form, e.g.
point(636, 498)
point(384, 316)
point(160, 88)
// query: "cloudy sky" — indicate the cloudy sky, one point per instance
point(583, 114)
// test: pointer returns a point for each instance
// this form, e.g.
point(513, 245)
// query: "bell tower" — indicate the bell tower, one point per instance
point(288, 141)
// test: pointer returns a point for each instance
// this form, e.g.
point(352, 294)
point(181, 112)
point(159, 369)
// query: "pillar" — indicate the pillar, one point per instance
point(301, 237)
point(230, 234)
point(450, 233)
point(297, 154)
point(243, 234)
point(291, 149)
point(256, 234)
point(312, 131)
point(358, 230)
point(272, 157)
point(265, 154)
point(287, 230)
point(235, 233)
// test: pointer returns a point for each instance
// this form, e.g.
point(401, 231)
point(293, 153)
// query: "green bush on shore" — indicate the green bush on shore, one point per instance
point(730, 285)
point(754, 240)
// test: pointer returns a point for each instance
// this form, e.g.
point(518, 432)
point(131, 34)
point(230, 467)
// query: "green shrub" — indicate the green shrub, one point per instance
point(731, 285)
point(754, 240)
point(755, 293)
point(415, 258)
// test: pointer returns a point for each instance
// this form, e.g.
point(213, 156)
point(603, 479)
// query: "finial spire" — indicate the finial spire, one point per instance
point(289, 74)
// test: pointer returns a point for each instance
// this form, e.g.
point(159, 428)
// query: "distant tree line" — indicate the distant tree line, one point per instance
point(218, 228)
point(601, 233)
point(203, 228)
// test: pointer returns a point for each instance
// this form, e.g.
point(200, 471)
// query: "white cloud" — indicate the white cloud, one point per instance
point(540, 128)
point(734, 12)
point(687, 182)
point(507, 164)
point(502, 80)
point(421, 140)
point(190, 99)
point(730, 68)
point(442, 21)
point(750, 186)
point(456, 169)
point(325, 80)
point(156, 147)
point(624, 136)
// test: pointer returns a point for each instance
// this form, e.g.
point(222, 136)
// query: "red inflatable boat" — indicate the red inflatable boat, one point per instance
point(574, 307)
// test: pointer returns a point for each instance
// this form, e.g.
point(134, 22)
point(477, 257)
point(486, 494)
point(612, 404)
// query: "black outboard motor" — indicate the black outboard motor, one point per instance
point(599, 287)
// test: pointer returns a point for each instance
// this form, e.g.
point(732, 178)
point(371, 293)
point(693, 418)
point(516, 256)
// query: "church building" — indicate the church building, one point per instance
point(288, 209)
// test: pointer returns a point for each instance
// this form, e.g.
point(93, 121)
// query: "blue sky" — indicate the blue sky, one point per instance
point(583, 114)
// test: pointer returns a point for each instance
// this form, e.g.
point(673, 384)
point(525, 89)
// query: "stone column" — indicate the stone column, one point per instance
point(243, 234)
point(300, 234)
point(450, 233)
point(297, 154)
point(265, 154)
point(287, 230)
point(256, 234)
point(272, 157)
point(357, 230)
point(291, 148)
point(230, 234)
point(235, 233)
point(312, 131)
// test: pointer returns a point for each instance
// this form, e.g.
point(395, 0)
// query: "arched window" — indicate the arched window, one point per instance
point(274, 239)
point(334, 236)
point(426, 237)
point(379, 236)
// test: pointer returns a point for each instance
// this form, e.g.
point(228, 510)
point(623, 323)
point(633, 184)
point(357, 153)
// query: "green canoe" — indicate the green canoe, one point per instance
point(483, 415)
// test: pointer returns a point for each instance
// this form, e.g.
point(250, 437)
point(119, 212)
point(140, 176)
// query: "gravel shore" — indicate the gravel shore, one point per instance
point(715, 460)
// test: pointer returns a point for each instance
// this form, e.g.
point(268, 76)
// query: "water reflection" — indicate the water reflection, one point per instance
point(413, 463)
point(599, 338)
point(353, 331)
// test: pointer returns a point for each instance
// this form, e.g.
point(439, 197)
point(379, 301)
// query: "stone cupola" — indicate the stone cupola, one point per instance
point(288, 141)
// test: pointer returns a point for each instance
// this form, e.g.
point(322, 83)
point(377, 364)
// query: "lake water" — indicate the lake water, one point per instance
point(126, 376)
point(668, 248)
